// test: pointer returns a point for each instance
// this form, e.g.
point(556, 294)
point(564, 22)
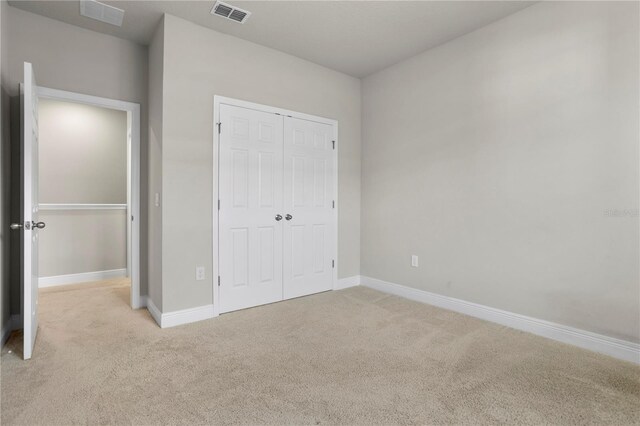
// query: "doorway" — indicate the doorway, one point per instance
point(89, 190)
point(277, 204)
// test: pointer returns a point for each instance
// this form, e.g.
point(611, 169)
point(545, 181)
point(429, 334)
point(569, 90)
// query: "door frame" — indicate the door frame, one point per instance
point(133, 175)
point(218, 101)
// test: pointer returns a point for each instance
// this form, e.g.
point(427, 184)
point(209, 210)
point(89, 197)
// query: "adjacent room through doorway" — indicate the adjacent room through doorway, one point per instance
point(83, 193)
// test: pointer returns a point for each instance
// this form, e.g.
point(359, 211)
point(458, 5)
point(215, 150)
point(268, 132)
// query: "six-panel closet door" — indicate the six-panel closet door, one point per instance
point(250, 192)
point(276, 217)
point(308, 203)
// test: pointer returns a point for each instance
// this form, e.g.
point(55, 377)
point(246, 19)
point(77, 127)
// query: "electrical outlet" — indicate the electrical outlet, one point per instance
point(414, 260)
point(199, 273)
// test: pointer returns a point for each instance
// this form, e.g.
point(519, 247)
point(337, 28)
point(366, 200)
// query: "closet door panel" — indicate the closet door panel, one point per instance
point(308, 196)
point(250, 193)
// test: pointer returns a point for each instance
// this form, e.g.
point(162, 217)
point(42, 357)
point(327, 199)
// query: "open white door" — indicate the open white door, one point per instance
point(30, 225)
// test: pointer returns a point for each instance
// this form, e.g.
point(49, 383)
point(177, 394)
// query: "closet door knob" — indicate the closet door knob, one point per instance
point(278, 217)
point(288, 217)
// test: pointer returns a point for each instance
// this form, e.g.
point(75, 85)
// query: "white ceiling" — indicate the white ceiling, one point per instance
point(354, 37)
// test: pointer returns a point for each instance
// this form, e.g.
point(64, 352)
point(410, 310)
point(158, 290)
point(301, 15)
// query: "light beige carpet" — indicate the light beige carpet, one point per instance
point(354, 356)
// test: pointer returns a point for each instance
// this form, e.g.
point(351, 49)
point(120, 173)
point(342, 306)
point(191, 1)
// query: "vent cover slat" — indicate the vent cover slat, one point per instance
point(230, 12)
point(223, 10)
point(237, 15)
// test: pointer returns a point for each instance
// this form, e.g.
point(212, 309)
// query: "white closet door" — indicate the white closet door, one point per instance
point(250, 187)
point(309, 227)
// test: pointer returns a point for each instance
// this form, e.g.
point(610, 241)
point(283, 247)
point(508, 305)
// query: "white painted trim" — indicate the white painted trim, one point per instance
point(128, 206)
point(133, 175)
point(222, 100)
point(51, 206)
point(219, 100)
point(347, 282)
point(215, 177)
point(84, 277)
point(184, 316)
point(154, 311)
point(63, 95)
point(617, 348)
point(336, 177)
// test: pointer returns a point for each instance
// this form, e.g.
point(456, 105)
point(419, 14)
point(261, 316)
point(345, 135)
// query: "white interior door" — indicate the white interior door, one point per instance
point(30, 226)
point(309, 227)
point(250, 208)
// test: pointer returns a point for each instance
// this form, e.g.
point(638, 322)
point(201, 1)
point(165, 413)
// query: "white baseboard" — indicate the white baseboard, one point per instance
point(80, 278)
point(617, 348)
point(186, 316)
point(154, 311)
point(175, 318)
point(347, 282)
point(13, 323)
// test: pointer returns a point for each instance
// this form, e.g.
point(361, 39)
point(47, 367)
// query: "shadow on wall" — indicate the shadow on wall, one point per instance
point(14, 255)
point(5, 205)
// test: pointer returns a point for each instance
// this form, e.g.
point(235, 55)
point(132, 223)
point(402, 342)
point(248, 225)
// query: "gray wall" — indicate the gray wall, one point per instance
point(194, 72)
point(82, 241)
point(83, 160)
point(507, 160)
point(83, 154)
point(70, 58)
point(156, 78)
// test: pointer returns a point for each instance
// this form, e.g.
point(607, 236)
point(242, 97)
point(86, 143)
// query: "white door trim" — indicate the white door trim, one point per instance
point(63, 207)
point(222, 100)
point(133, 175)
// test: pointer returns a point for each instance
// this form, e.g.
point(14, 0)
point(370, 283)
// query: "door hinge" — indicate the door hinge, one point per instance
point(218, 280)
point(131, 218)
point(333, 263)
point(334, 144)
point(333, 204)
point(219, 127)
point(218, 204)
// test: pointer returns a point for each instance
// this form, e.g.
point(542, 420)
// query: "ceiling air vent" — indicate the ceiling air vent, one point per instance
point(101, 12)
point(230, 12)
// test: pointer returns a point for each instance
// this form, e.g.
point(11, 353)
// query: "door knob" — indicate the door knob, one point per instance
point(15, 226)
point(39, 225)
point(288, 217)
point(278, 217)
